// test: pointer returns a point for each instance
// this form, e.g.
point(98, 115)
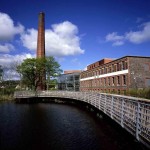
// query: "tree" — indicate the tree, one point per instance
point(27, 72)
point(32, 68)
point(52, 70)
point(1, 73)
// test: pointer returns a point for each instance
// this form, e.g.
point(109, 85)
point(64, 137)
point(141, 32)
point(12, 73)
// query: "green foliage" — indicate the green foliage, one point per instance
point(143, 93)
point(52, 70)
point(27, 71)
point(1, 73)
point(7, 89)
point(33, 68)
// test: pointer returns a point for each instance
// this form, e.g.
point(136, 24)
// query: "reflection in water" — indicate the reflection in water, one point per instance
point(58, 127)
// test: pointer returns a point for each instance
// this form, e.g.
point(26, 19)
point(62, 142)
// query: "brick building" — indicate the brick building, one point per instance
point(119, 75)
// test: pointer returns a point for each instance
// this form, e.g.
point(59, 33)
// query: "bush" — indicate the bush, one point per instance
point(6, 93)
point(143, 93)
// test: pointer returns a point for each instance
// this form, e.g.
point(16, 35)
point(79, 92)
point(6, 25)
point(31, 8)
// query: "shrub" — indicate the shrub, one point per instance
point(143, 93)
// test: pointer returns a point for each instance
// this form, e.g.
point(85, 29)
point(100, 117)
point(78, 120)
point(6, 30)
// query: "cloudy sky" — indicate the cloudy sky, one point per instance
point(77, 32)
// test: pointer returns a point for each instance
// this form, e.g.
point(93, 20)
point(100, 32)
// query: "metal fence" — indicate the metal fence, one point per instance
point(133, 114)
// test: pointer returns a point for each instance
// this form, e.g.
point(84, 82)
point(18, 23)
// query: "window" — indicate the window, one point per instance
point(117, 66)
point(98, 82)
point(113, 80)
point(147, 82)
point(102, 70)
point(124, 79)
point(118, 80)
point(99, 71)
point(95, 82)
point(123, 65)
point(109, 69)
point(108, 81)
point(104, 81)
point(106, 70)
point(101, 82)
point(112, 68)
point(126, 65)
point(146, 67)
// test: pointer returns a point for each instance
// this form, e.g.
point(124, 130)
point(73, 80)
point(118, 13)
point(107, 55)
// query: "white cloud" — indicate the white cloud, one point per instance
point(65, 29)
point(7, 27)
point(75, 61)
point(118, 43)
point(138, 37)
point(5, 48)
point(9, 62)
point(135, 37)
point(61, 40)
point(115, 38)
point(29, 39)
point(10, 74)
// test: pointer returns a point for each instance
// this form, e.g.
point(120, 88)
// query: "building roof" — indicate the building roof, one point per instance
point(109, 60)
point(72, 71)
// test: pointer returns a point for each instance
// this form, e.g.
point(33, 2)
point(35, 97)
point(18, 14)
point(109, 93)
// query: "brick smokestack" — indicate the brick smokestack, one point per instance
point(41, 36)
point(41, 78)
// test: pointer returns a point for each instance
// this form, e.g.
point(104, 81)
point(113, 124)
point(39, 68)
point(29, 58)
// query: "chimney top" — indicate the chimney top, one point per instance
point(41, 12)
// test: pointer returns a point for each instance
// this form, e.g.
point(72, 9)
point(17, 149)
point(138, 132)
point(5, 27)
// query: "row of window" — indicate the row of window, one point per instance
point(108, 81)
point(104, 70)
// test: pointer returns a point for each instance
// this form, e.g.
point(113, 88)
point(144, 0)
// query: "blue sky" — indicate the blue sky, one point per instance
point(78, 32)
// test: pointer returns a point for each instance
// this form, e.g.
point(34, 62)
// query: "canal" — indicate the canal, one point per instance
point(51, 126)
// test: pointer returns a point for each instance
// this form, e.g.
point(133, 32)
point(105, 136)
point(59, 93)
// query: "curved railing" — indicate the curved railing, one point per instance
point(133, 114)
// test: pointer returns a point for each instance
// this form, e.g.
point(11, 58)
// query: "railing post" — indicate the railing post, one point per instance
point(122, 112)
point(84, 96)
point(96, 100)
point(137, 121)
point(112, 104)
point(99, 102)
point(105, 105)
point(89, 98)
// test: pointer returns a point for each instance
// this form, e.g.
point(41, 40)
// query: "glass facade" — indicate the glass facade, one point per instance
point(69, 82)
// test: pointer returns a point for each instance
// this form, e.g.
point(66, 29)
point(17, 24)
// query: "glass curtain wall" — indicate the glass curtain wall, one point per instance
point(69, 82)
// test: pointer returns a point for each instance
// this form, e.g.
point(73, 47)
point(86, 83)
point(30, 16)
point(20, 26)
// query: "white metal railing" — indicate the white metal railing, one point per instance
point(131, 113)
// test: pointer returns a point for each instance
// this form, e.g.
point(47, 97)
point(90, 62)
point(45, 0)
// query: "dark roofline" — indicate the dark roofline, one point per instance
point(137, 56)
point(129, 56)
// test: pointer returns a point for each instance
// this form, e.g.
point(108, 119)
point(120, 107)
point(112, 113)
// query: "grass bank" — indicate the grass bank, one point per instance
point(6, 98)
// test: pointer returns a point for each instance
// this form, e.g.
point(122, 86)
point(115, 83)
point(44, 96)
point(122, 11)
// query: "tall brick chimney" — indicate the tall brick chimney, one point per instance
point(41, 79)
point(41, 36)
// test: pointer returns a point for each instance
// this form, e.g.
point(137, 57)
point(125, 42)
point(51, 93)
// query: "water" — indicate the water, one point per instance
point(58, 127)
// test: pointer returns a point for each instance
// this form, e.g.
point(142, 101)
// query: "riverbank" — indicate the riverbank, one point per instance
point(6, 98)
